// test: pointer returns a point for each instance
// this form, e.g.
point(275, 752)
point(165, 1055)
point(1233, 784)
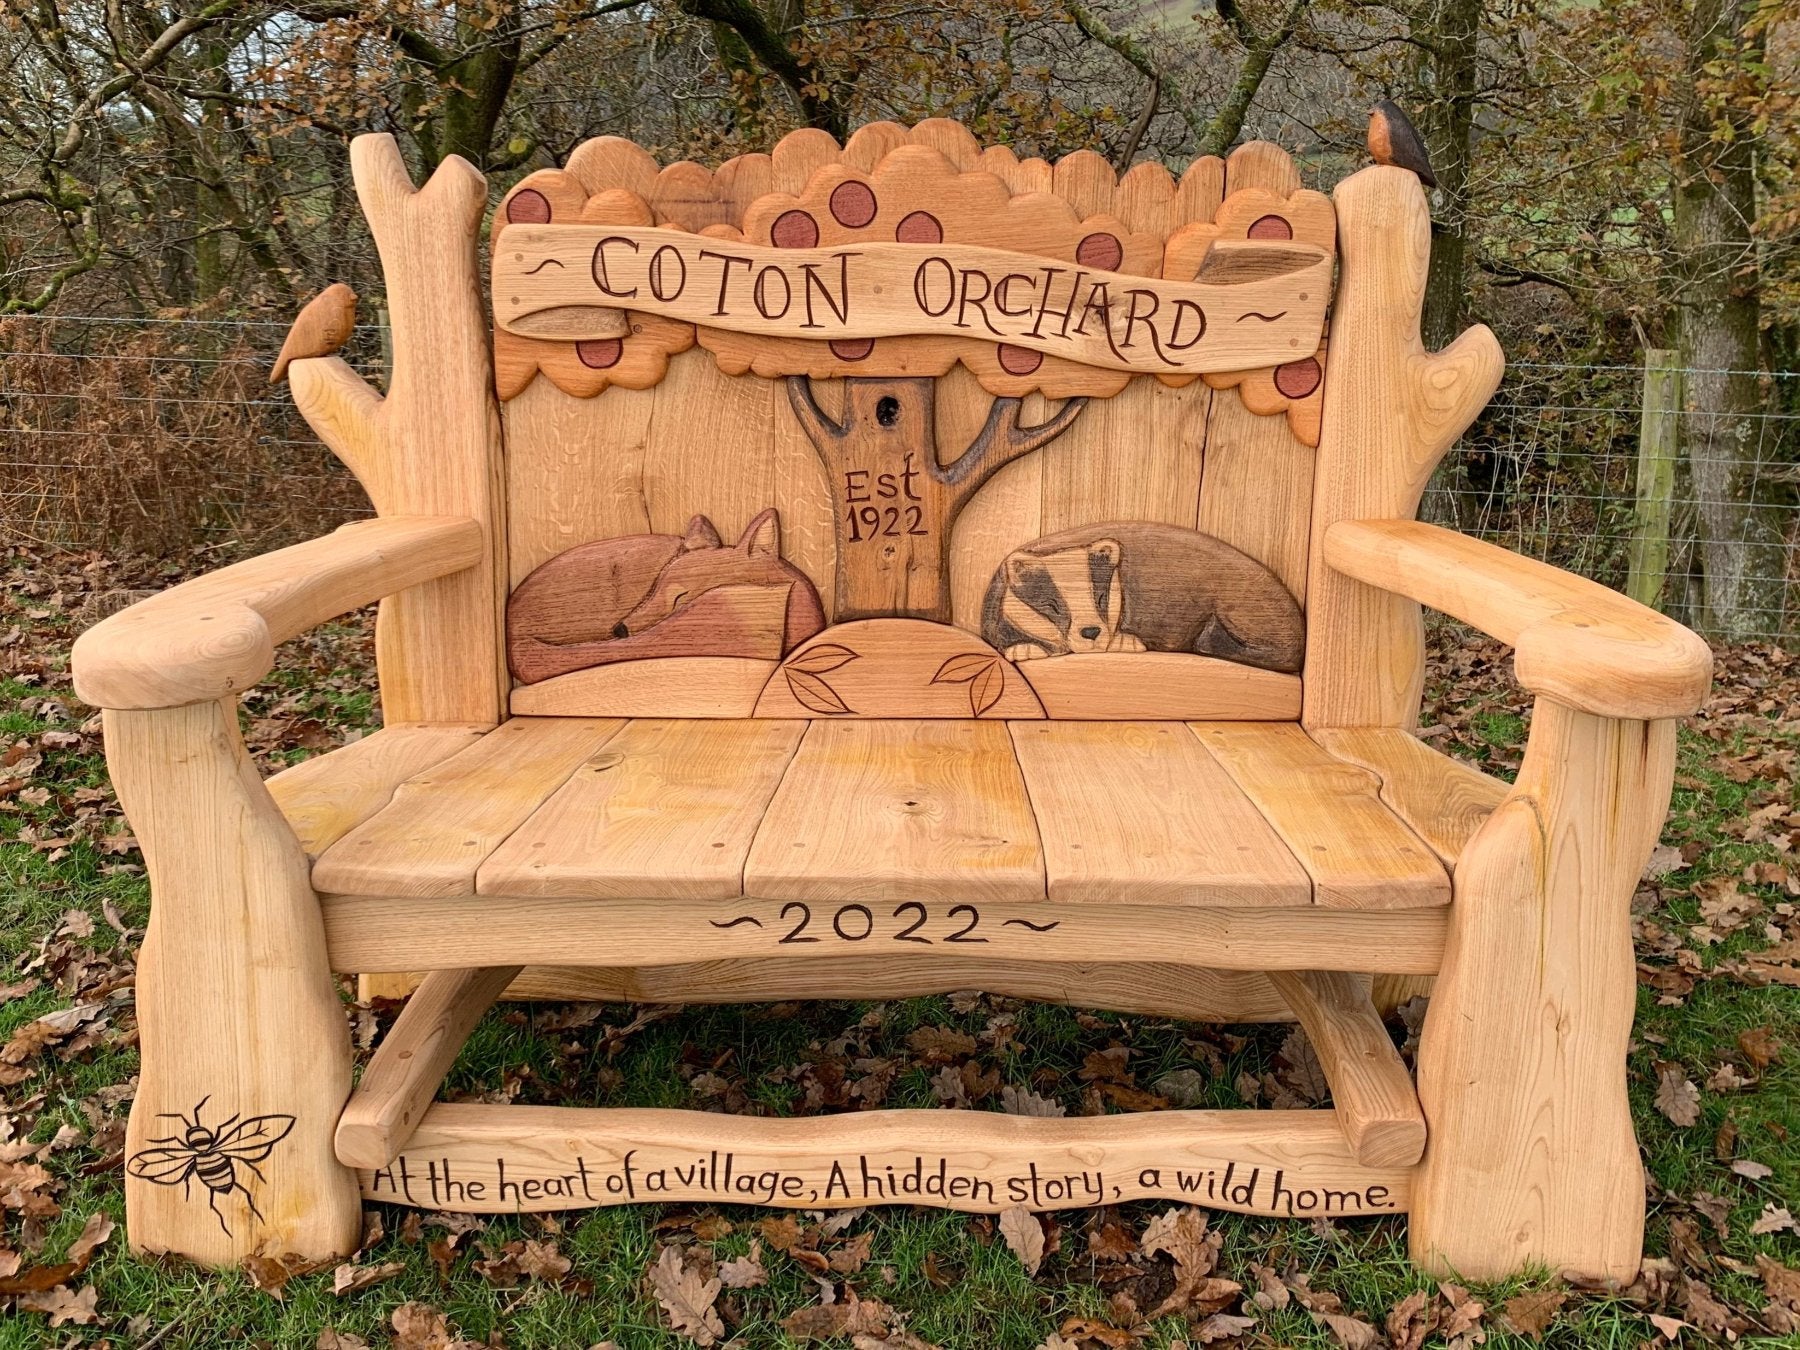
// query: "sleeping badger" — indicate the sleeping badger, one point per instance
point(1127, 587)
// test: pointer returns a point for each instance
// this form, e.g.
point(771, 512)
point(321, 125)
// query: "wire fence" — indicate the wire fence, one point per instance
point(164, 435)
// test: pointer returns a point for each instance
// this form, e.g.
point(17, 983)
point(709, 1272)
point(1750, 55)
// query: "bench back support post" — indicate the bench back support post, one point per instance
point(1391, 410)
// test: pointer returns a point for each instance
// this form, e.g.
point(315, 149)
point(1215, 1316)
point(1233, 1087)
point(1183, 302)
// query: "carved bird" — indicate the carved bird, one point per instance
point(321, 328)
point(1392, 140)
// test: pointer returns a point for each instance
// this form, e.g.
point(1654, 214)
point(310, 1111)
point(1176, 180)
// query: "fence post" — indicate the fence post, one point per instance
point(1658, 445)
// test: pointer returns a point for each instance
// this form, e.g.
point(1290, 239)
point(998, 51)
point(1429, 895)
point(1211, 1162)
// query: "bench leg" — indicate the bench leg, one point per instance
point(246, 1054)
point(1530, 1158)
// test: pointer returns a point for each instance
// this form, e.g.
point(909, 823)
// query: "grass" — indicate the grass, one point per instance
point(953, 1280)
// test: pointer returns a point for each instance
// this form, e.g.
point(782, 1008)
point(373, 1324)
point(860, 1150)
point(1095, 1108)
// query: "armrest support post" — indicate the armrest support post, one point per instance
point(1530, 1157)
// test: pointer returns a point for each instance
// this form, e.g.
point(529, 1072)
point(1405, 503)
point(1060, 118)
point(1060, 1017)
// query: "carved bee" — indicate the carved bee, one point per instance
point(211, 1155)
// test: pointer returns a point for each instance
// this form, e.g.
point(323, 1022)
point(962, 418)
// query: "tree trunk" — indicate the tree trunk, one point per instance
point(1740, 542)
point(1447, 113)
point(893, 503)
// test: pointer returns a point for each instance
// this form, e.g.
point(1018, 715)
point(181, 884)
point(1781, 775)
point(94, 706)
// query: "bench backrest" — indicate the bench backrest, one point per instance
point(911, 427)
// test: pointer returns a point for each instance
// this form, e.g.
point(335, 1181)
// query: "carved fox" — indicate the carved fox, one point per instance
point(654, 595)
point(704, 563)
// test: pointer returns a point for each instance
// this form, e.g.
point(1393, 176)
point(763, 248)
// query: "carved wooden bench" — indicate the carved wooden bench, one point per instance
point(873, 570)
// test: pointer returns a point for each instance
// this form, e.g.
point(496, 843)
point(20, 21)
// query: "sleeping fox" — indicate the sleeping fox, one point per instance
point(652, 595)
point(1132, 587)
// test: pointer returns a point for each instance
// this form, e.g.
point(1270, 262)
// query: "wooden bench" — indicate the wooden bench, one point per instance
point(876, 570)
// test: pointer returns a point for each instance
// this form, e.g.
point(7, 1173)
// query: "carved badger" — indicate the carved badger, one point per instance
point(1130, 587)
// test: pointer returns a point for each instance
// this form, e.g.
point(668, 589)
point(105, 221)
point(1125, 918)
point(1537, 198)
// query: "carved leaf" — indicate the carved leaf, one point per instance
point(814, 694)
point(985, 689)
point(826, 656)
point(962, 669)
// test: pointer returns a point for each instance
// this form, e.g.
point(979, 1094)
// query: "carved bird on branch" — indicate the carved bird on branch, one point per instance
point(1393, 140)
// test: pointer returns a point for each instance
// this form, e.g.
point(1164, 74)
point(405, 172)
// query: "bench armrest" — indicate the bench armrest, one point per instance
point(1574, 640)
point(216, 635)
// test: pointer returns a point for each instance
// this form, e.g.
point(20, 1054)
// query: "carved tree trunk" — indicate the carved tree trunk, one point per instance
point(894, 504)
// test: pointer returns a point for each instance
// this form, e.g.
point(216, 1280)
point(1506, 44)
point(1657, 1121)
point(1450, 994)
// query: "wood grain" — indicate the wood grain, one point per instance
point(431, 445)
point(1577, 642)
point(1532, 1161)
point(1202, 843)
point(674, 686)
point(1391, 410)
point(874, 810)
point(216, 635)
point(1443, 800)
point(327, 796)
point(1330, 814)
point(667, 809)
point(384, 932)
point(1160, 686)
point(1371, 1091)
point(1291, 1164)
point(410, 1063)
point(237, 1013)
point(441, 825)
point(1156, 989)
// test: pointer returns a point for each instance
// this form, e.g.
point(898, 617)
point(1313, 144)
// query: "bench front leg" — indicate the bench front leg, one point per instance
point(246, 1054)
point(1530, 1157)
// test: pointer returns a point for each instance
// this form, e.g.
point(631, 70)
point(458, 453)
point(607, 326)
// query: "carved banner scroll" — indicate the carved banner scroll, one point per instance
point(1254, 303)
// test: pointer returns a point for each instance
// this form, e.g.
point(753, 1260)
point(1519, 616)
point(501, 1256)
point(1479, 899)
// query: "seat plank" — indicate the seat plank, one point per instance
point(1359, 853)
point(1444, 800)
point(667, 810)
point(442, 824)
point(1141, 810)
point(899, 810)
point(327, 796)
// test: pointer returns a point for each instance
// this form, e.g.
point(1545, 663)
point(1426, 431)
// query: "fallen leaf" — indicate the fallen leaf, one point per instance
point(332, 1339)
point(1774, 1219)
point(853, 1317)
point(1677, 1097)
point(1021, 1231)
point(351, 1279)
point(1529, 1314)
point(1222, 1327)
point(1670, 1327)
point(687, 1300)
point(1759, 1047)
point(62, 1306)
point(419, 1326)
point(98, 1228)
point(268, 1274)
point(1755, 1171)
point(1350, 1332)
point(746, 1272)
point(1024, 1102)
point(542, 1261)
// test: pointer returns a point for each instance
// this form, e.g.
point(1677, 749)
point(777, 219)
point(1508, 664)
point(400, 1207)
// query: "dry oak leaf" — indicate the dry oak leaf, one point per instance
point(746, 1272)
point(1676, 1096)
point(332, 1339)
point(1350, 1332)
point(1024, 1235)
point(1222, 1327)
point(542, 1261)
point(62, 1306)
point(1529, 1314)
point(1774, 1219)
point(351, 1279)
point(269, 1274)
point(853, 1317)
point(98, 1228)
point(1016, 1101)
point(419, 1326)
point(1670, 1327)
point(687, 1300)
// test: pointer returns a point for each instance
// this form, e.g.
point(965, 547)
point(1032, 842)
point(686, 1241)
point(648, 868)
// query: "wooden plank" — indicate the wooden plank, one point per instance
point(238, 1015)
point(1371, 1091)
point(1391, 410)
point(667, 809)
point(1160, 686)
point(410, 1063)
point(897, 668)
point(1157, 989)
point(443, 824)
point(1576, 641)
point(892, 810)
point(1522, 1073)
point(568, 282)
point(1444, 800)
point(387, 932)
point(1359, 854)
point(1257, 493)
point(1261, 164)
point(501, 1159)
point(215, 636)
point(674, 686)
point(327, 796)
point(1140, 809)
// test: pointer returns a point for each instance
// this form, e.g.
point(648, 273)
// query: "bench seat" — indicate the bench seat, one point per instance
point(1254, 815)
